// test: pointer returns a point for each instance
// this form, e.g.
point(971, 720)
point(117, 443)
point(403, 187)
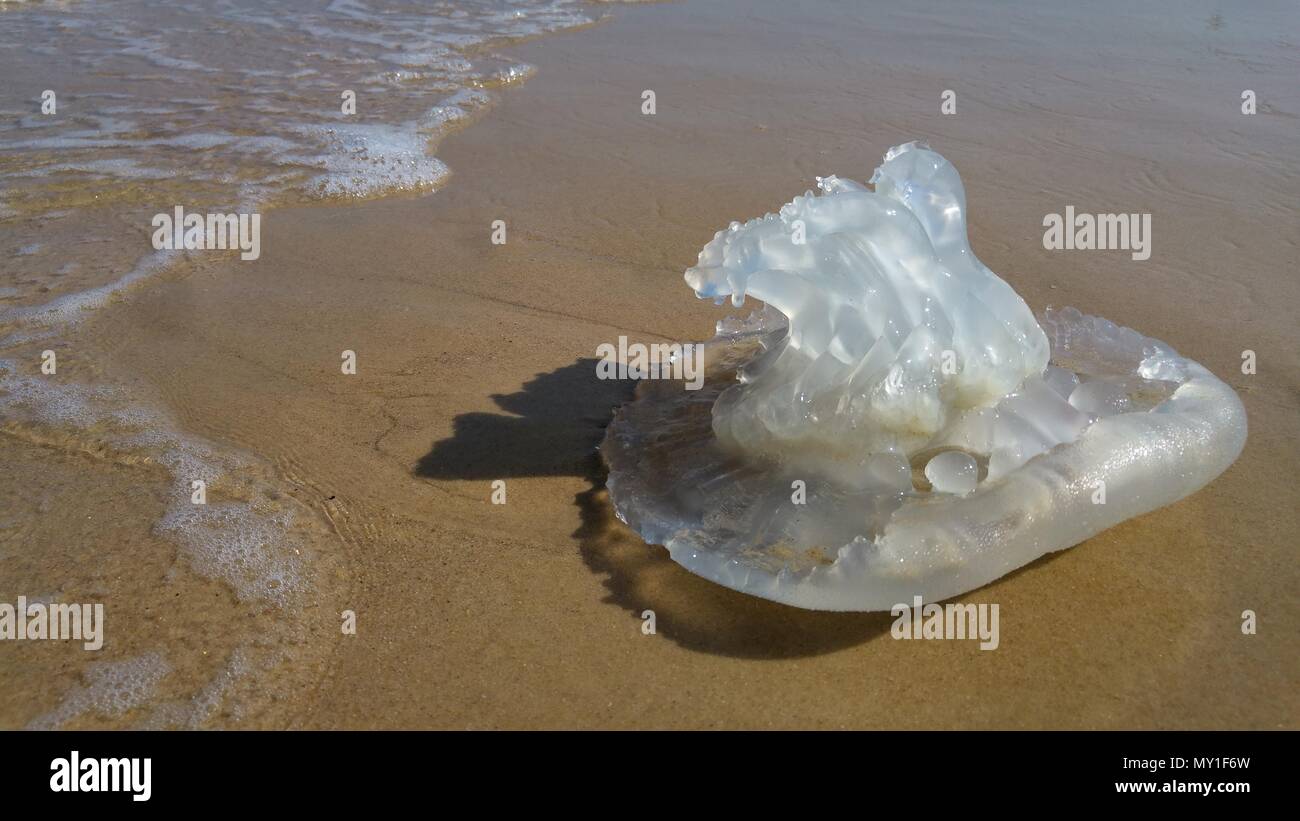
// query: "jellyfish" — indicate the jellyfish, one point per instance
point(893, 420)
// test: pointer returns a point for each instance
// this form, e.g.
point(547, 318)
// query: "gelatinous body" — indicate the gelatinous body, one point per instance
point(889, 424)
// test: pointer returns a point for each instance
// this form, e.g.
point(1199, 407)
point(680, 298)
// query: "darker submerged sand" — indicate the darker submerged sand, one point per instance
point(475, 364)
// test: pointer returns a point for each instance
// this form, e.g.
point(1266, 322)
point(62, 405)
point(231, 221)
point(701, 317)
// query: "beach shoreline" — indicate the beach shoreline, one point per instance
point(475, 364)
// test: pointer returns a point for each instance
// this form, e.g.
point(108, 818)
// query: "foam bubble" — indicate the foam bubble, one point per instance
point(111, 690)
point(369, 159)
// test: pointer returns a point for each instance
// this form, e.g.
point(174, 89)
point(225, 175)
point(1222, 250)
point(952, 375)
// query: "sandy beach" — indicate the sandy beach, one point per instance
point(475, 363)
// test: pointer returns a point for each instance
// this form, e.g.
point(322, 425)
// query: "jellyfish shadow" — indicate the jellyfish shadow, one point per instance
point(558, 420)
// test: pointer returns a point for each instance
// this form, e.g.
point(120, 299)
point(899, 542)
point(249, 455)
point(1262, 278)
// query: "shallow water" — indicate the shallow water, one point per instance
point(227, 106)
point(215, 107)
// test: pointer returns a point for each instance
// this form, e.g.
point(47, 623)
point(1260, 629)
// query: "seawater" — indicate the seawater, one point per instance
point(227, 106)
point(220, 107)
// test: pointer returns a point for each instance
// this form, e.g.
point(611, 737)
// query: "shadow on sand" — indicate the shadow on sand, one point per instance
point(558, 420)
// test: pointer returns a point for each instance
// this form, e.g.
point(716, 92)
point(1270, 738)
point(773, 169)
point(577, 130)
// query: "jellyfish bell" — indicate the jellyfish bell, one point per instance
point(937, 433)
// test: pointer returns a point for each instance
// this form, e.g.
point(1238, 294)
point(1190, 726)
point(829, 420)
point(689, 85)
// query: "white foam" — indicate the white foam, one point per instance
point(111, 690)
point(250, 545)
point(364, 160)
point(68, 309)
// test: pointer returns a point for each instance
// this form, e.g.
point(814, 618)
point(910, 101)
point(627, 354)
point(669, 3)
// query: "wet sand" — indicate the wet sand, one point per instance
point(475, 363)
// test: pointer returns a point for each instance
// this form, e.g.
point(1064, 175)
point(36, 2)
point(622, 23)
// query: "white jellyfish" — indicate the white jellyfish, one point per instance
point(910, 390)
